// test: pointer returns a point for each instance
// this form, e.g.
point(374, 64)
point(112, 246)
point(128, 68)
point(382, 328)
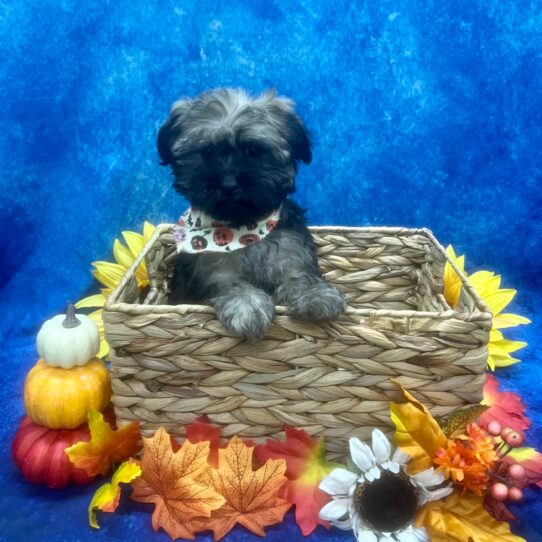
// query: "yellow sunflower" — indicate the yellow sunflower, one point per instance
point(109, 274)
point(487, 285)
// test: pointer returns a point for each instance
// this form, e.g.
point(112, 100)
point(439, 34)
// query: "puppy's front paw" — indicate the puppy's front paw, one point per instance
point(246, 313)
point(319, 302)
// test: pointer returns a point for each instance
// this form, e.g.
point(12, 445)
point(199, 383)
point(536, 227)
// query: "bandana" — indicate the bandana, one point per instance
point(197, 232)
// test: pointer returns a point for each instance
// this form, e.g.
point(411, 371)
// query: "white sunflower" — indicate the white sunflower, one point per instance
point(379, 503)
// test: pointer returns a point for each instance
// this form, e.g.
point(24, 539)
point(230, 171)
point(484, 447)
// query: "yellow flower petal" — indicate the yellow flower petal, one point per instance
point(148, 230)
point(452, 282)
point(505, 361)
point(491, 362)
point(97, 316)
point(134, 241)
point(487, 285)
point(106, 292)
point(496, 301)
point(97, 300)
point(106, 497)
point(127, 256)
point(485, 282)
point(416, 432)
point(141, 275)
point(495, 335)
point(109, 274)
point(503, 321)
point(509, 346)
point(500, 357)
point(123, 256)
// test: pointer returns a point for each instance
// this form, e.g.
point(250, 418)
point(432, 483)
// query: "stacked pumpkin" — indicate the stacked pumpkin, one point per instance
point(59, 390)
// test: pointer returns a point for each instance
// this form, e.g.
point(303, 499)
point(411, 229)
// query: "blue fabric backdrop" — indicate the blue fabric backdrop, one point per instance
point(423, 114)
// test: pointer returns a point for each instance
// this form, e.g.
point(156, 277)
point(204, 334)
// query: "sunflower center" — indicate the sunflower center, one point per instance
point(387, 504)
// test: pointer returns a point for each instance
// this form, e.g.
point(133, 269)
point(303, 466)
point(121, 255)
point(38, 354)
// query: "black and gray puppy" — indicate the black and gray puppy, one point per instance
point(235, 158)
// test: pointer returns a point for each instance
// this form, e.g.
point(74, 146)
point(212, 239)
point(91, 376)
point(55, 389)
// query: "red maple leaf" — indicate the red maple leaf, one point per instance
point(201, 430)
point(305, 468)
point(505, 407)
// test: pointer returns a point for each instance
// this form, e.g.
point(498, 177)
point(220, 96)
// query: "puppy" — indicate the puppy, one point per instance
point(243, 245)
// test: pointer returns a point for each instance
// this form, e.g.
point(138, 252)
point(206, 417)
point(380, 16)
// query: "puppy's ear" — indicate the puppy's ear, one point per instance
point(171, 131)
point(296, 134)
point(298, 138)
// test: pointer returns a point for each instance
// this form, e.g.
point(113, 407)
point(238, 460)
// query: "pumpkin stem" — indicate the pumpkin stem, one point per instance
point(71, 320)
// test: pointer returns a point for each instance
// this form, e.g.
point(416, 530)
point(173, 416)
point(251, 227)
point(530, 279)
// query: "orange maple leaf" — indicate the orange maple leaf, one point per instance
point(106, 446)
point(252, 497)
point(171, 481)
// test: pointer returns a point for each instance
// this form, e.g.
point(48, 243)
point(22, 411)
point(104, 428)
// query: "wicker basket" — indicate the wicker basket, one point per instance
point(171, 364)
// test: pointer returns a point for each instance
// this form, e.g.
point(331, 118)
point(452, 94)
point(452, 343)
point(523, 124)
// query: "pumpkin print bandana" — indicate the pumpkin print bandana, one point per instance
point(198, 232)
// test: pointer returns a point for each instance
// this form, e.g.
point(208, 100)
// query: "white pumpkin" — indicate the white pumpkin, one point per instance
point(68, 340)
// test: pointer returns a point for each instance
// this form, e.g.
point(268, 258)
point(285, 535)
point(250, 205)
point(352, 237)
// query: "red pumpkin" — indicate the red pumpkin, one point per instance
point(39, 453)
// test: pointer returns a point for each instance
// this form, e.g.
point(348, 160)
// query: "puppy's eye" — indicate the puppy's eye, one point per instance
point(253, 151)
point(207, 153)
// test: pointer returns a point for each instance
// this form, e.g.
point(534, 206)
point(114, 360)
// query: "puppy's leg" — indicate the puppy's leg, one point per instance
point(244, 310)
point(310, 297)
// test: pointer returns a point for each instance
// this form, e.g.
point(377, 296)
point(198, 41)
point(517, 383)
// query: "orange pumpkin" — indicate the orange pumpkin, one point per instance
point(60, 398)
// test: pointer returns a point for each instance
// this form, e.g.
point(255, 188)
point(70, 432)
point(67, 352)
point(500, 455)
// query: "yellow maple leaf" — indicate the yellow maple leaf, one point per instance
point(106, 446)
point(459, 518)
point(106, 498)
point(416, 432)
point(171, 481)
point(251, 497)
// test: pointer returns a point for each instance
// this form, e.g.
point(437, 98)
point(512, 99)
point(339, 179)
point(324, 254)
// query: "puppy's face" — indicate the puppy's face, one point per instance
point(232, 156)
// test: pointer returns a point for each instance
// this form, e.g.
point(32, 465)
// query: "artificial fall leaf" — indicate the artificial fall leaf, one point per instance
point(106, 446)
point(503, 406)
point(252, 497)
point(170, 481)
point(416, 432)
point(305, 468)
point(202, 431)
point(308, 499)
point(456, 423)
point(106, 498)
point(461, 518)
point(531, 460)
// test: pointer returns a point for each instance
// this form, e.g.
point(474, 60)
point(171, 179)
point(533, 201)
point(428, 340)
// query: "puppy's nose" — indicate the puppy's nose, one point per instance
point(229, 183)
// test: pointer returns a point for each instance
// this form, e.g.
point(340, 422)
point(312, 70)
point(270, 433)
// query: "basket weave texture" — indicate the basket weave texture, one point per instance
point(171, 364)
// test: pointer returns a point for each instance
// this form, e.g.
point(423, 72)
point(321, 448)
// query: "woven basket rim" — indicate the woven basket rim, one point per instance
point(483, 313)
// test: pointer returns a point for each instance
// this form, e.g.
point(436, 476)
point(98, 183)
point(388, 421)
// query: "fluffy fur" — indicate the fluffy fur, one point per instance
point(235, 157)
